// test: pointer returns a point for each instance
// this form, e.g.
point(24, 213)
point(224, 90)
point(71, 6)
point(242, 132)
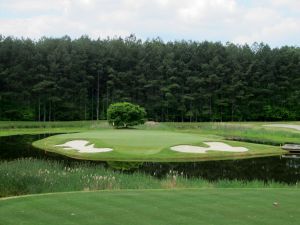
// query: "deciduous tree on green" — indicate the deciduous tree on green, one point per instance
point(125, 114)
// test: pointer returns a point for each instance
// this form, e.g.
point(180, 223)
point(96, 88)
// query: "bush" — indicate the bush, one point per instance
point(125, 114)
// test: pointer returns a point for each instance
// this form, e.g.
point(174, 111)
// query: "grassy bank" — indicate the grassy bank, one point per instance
point(34, 127)
point(159, 207)
point(151, 145)
point(29, 176)
point(47, 124)
point(250, 131)
point(254, 132)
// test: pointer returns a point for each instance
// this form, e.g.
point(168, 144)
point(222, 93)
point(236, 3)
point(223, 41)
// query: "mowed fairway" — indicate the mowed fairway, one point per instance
point(149, 145)
point(148, 207)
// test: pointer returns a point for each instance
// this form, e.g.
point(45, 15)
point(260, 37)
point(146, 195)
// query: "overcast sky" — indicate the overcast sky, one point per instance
point(276, 22)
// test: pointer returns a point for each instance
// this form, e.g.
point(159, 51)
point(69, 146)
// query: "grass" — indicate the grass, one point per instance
point(30, 176)
point(8, 128)
point(159, 207)
point(249, 131)
point(254, 132)
point(47, 124)
point(173, 199)
point(150, 145)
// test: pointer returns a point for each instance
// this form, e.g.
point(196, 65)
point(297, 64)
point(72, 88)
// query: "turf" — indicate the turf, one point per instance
point(149, 145)
point(251, 131)
point(8, 128)
point(159, 207)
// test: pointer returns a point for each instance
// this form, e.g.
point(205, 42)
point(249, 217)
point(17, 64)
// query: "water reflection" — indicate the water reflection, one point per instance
point(124, 166)
point(19, 146)
point(268, 168)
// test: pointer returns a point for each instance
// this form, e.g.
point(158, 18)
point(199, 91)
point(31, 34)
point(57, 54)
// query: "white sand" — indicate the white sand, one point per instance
point(82, 147)
point(296, 127)
point(214, 146)
point(151, 123)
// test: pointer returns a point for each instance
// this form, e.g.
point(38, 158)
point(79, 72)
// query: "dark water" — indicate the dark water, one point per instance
point(19, 146)
point(277, 168)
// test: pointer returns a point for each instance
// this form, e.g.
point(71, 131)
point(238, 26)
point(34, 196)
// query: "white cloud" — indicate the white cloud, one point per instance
point(284, 30)
point(207, 9)
point(32, 6)
point(289, 4)
point(271, 21)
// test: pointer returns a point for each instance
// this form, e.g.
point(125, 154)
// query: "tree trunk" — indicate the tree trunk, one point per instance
point(210, 108)
point(106, 97)
point(92, 106)
point(44, 112)
point(98, 98)
point(39, 109)
point(232, 111)
point(85, 110)
point(49, 112)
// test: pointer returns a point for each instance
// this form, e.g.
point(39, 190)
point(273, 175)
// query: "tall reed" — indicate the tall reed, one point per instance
point(28, 176)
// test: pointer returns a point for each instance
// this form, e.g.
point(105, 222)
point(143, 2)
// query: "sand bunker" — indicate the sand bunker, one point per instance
point(151, 123)
point(82, 147)
point(213, 146)
point(296, 127)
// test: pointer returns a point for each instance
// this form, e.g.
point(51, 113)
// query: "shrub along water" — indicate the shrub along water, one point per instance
point(29, 176)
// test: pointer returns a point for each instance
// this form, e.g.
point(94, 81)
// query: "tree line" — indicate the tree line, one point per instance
point(64, 79)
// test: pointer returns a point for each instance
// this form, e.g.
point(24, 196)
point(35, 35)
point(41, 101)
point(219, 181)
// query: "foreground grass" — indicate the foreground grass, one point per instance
point(30, 176)
point(159, 207)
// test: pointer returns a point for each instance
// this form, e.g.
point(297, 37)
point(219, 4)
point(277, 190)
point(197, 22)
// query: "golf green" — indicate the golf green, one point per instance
point(159, 207)
point(149, 145)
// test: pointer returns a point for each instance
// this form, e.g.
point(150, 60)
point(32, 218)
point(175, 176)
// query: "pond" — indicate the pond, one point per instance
point(276, 168)
point(19, 146)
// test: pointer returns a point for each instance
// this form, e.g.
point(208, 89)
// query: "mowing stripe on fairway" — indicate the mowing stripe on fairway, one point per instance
point(148, 189)
point(156, 206)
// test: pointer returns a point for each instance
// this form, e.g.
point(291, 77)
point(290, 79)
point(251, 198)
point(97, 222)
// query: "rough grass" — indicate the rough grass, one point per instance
point(52, 124)
point(29, 127)
point(29, 176)
point(253, 132)
point(159, 207)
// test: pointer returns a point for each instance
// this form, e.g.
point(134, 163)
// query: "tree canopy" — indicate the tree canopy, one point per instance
point(64, 79)
point(125, 114)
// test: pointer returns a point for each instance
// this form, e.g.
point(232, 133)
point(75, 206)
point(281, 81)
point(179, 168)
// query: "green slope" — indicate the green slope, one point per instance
point(159, 207)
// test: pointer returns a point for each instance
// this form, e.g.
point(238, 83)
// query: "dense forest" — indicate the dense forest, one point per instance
point(64, 79)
